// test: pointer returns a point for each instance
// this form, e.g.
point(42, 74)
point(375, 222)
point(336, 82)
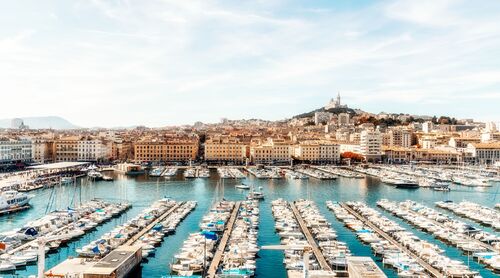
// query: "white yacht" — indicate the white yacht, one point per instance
point(243, 186)
point(11, 199)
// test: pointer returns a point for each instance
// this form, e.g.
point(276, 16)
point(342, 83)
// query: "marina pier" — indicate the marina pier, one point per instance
point(430, 269)
point(223, 242)
point(317, 253)
point(152, 224)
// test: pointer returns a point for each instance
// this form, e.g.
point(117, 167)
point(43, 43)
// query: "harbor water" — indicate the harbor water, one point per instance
point(141, 191)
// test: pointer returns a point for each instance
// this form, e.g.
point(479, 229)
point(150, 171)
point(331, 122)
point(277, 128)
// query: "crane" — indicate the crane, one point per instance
point(305, 257)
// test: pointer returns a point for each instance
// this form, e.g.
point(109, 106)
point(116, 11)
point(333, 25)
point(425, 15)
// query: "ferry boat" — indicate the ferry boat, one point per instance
point(12, 199)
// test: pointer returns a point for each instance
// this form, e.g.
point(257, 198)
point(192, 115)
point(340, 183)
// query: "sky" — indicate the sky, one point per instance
point(156, 63)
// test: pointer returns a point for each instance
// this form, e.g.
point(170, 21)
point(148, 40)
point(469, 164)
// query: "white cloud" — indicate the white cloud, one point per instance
point(180, 61)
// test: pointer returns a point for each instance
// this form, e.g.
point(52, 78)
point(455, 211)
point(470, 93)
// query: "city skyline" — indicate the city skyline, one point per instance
point(164, 63)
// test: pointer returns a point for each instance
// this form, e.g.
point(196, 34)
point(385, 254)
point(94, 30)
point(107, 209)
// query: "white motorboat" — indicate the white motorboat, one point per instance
point(243, 186)
point(12, 199)
point(6, 266)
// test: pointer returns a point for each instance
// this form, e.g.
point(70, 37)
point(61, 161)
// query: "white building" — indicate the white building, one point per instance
point(352, 148)
point(343, 119)
point(13, 150)
point(429, 142)
point(371, 144)
point(491, 127)
point(91, 150)
point(485, 153)
point(427, 127)
point(490, 136)
point(322, 117)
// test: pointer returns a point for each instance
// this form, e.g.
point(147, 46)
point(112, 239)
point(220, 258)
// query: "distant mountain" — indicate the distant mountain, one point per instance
point(53, 122)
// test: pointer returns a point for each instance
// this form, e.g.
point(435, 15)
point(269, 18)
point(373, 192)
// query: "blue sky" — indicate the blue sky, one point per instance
point(120, 63)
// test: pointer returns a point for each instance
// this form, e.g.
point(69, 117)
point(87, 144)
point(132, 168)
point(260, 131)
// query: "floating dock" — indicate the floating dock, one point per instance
point(12, 210)
point(152, 224)
point(222, 244)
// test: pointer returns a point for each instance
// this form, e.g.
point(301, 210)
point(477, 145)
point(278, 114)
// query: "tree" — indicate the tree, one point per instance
point(352, 156)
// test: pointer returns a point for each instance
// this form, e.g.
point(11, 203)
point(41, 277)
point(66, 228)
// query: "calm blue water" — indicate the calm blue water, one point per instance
point(142, 191)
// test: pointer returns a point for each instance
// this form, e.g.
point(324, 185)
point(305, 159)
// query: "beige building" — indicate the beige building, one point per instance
point(180, 150)
point(273, 150)
point(66, 149)
point(462, 142)
point(317, 151)
point(400, 154)
point(226, 149)
point(400, 138)
point(42, 150)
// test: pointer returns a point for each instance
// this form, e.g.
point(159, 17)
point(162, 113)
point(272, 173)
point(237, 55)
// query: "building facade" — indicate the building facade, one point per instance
point(272, 151)
point(226, 149)
point(371, 145)
point(66, 149)
point(317, 151)
point(91, 149)
point(15, 150)
point(170, 150)
point(485, 153)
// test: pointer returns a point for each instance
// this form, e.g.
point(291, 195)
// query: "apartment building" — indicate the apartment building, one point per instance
point(166, 150)
point(92, 149)
point(490, 136)
point(400, 138)
point(484, 153)
point(273, 150)
point(42, 150)
point(317, 151)
point(226, 149)
point(370, 144)
point(15, 150)
point(66, 149)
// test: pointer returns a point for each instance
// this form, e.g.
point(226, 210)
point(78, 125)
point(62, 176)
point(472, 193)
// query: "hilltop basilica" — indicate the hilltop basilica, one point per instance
point(335, 103)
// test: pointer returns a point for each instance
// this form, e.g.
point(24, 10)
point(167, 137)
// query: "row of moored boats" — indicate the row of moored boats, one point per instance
point(429, 253)
point(57, 228)
point(482, 245)
point(198, 249)
point(122, 233)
